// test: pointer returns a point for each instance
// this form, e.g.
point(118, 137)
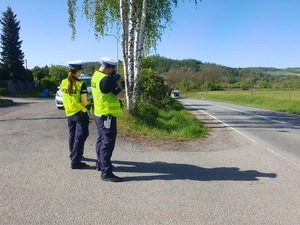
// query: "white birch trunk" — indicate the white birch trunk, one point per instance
point(130, 50)
point(124, 20)
point(132, 46)
point(138, 50)
point(128, 26)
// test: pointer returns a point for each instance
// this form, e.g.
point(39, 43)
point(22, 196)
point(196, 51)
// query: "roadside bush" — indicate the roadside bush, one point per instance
point(153, 98)
point(153, 89)
point(48, 83)
point(211, 86)
point(146, 112)
point(4, 91)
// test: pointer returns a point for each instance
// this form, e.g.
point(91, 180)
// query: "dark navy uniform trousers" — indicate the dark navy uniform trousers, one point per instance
point(78, 132)
point(105, 143)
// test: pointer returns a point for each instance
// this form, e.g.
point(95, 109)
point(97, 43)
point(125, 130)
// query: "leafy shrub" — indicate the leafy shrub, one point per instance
point(4, 91)
point(211, 86)
point(48, 83)
point(153, 89)
point(146, 112)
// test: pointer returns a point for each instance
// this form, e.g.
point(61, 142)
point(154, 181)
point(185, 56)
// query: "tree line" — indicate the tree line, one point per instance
point(191, 74)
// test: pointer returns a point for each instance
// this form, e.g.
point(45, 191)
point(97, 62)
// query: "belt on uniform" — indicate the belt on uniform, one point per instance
point(104, 117)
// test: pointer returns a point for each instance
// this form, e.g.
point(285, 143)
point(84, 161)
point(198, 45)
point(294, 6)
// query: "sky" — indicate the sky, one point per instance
point(233, 33)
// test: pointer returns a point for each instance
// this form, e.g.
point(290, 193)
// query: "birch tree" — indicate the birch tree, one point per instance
point(141, 23)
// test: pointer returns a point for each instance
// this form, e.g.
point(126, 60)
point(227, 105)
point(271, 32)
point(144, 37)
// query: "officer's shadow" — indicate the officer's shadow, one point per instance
point(173, 171)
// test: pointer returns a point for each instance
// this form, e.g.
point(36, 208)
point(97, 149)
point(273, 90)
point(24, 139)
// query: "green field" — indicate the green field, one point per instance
point(278, 100)
point(285, 72)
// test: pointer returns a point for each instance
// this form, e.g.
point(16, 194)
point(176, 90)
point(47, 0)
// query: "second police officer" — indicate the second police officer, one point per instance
point(75, 101)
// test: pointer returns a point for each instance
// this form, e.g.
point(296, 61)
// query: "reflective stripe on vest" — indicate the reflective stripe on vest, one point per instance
point(72, 103)
point(104, 104)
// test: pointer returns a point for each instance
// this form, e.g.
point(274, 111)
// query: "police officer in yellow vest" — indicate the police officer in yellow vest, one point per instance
point(106, 94)
point(75, 101)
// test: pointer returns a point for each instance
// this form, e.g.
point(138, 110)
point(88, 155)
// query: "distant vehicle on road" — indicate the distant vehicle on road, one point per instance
point(84, 77)
point(175, 94)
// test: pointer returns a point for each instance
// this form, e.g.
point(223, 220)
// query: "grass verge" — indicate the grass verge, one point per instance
point(174, 123)
point(5, 102)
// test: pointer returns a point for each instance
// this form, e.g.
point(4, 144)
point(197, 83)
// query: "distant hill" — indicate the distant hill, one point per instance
point(164, 64)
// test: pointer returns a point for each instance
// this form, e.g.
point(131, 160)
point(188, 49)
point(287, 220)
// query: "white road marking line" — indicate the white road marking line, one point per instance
point(225, 124)
point(248, 138)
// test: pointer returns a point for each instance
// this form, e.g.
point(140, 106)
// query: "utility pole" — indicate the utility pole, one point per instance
point(117, 39)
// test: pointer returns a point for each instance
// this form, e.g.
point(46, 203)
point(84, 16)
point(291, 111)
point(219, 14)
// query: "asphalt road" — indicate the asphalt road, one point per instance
point(251, 183)
point(275, 131)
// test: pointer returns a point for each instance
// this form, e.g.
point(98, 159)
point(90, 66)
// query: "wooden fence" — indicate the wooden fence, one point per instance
point(18, 86)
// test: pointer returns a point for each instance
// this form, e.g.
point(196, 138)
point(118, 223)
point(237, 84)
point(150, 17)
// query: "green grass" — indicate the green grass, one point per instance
point(284, 72)
point(172, 124)
point(279, 100)
point(5, 102)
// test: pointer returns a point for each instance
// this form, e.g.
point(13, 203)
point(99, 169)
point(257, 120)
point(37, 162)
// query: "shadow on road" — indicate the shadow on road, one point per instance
point(174, 171)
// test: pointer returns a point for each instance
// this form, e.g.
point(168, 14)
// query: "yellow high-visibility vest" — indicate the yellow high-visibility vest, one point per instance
point(72, 102)
point(104, 104)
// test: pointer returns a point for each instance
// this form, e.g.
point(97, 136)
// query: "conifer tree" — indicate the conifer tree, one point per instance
point(12, 57)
